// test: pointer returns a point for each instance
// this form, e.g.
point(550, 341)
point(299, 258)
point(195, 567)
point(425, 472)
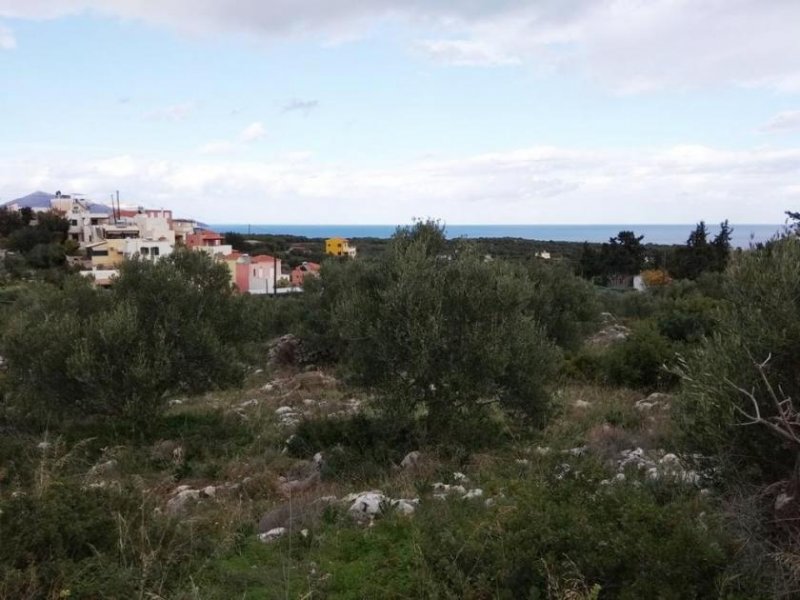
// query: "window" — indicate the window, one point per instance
point(73, 222)
point(99, 252)
point(156, 251)
point(145, 251)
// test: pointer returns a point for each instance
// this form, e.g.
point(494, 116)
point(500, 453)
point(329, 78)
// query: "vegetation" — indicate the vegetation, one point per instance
point(541, 436)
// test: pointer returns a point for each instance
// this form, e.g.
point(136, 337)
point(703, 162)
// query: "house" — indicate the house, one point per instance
point(337, 246)
point(264, 273)
point(208, 241)
point(110, 253)
point(84, 220)
point(299, 273)
point(183, 228)
point(106, 254)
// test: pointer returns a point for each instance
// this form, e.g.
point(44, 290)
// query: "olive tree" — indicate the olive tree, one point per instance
point(171, 327)
point(443, 333)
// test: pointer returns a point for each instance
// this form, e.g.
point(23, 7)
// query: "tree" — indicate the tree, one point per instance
point(171, 327)
point(445, 334)
point(700, 255)
point(760, 317)
point(622, 257)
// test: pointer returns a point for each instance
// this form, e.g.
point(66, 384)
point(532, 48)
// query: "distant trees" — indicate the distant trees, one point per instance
point(623, 256)
point(164, 328)
point(701, 254)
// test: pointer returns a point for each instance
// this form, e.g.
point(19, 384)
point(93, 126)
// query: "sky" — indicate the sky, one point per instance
point(381, 111)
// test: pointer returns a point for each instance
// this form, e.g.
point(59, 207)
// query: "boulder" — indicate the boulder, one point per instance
point(272, 534)
point(178, 503)
point(411, 460)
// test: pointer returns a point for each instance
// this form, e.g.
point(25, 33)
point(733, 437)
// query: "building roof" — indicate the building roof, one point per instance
point(263, 258)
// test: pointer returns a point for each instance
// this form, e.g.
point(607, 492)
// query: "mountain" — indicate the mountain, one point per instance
point(34, 200)
point(41, 199)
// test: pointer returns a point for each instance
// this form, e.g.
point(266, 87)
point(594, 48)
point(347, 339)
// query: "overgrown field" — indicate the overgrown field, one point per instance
point(424, 425)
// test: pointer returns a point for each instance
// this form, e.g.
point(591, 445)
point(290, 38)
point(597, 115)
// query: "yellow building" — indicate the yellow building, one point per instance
point(107, 254)
point(339, 247)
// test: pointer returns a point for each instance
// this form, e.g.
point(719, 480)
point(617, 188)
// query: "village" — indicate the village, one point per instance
point(107, 236)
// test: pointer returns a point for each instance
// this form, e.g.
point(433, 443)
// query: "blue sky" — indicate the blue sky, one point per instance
point(376, 112)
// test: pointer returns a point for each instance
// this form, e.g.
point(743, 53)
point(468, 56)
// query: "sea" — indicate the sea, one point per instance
point(743, 234)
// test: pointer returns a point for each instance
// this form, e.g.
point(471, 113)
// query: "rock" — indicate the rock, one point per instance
point(248, 403)
point(405, 507)
point(272, 534)
point(367, 505)
point(44, 446)
point(209, 491)
point(103, 469)
point(542, 451)
point(476, 493)
point(178, 503)
point(669, 459)
point(268, 387)
point(522, 461)
point(581, 404)
point(411, 460)
point(284, 410)
point(459, 476)
point(610, 334)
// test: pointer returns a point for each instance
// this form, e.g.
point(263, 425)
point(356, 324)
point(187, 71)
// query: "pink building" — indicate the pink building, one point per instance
point(299, 273)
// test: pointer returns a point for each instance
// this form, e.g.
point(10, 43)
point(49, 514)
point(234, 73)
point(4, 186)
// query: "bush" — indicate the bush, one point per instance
point(629, 541)
point(174, 326)
point(566, 306)
point(761, 317)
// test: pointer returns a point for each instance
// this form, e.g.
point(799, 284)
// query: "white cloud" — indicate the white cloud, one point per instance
point(175, 112)
point(253, 132)
point(630, 45)
point(217, 147)
point(466, 53)
point(787, 120)
point(303, 106)
point(7, 39)
point(680, 184)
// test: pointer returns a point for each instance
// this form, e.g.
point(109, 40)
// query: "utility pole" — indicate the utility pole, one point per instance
point(274, 276)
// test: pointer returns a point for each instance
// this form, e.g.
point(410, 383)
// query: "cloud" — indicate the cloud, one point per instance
point(466, 53)
point(217, 147)
point(250, 134)
point(7, 39)
point(629, 45)
point(253, 132)
point(175, 112)
point(542, 184)
point(303, 106)
point(787, 120)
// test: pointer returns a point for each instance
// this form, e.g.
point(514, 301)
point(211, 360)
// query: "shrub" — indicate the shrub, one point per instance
point(640, 360)
point(566, 306)
point(761, 317)
point(629, 541)
point(174, 326)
